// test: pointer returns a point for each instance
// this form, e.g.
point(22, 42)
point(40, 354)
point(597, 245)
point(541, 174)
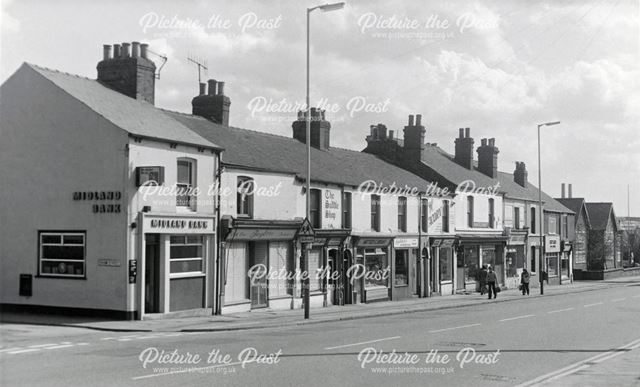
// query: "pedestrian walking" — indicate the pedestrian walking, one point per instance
point(491, 283)
point(482, 278)
point(524, 281)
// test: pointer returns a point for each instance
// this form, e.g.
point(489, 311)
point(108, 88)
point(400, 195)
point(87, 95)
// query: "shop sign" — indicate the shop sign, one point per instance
point(437, 242)
point(552, 244)
point(331, 213)
point(516, 240)
point(149, 176)
point(109, 262)
point(100, 196)
point(177, 225)
point(373, 242)
point(265, 234)
point(405, 242)
point(447, 243)
point(334, 242)
point(534, 241)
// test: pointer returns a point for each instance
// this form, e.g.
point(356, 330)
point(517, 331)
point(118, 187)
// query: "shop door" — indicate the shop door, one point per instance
point(259, 287)
point(333, 285)
point(152, 274)
point(347, 261)
point(415, 266)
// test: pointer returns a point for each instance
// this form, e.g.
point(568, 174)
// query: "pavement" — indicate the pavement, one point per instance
point(265, 318)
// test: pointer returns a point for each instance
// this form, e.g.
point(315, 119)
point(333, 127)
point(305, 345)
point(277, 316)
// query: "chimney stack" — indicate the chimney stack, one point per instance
point(570, 193)
point(143, 50)
point(414, 136)
point(464, 148)
point(133, 76)
point(488, 157)
point(135, 49)
point(203, 88)
point(562, 190)
point(520, 175)
point(214, 105)
point(320, 129)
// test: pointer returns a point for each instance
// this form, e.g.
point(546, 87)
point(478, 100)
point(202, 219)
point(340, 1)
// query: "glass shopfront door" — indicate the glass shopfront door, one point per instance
point(259, 287)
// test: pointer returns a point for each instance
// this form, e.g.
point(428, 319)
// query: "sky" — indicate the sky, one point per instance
point(497, 67)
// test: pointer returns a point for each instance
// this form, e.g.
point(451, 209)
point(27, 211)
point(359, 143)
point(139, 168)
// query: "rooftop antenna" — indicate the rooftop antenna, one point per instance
point(164, 61)
point(202, 64)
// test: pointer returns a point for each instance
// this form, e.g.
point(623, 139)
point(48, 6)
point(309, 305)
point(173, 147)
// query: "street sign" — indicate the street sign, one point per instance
point(306, 234)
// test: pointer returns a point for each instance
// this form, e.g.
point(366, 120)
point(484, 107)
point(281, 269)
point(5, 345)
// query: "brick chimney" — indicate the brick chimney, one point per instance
point(520, 175)
point(213, 105)
point(488, 157)
point(320, 129)
point(128, 72)
point(414, 139)
point(464, 148)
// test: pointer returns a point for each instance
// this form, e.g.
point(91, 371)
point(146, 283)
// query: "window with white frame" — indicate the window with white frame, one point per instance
point(62, 254)
point(186, 255)
point(185, 183)
point(245, 196)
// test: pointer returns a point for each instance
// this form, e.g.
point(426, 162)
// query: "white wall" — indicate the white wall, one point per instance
point(481, 211)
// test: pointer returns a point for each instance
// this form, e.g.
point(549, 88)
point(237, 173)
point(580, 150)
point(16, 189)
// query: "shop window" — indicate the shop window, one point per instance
point(446, 264)
point(186, 256)
point(244, 198)
point(471, 261)
point(533, 220)
point(185, 183)
point(346, 210)
point(552, 264)
point(402, 268)
point(516, 218)
point(445, 216)
point(278, 263)
point(236, 280)
point(375, 212)
point(470, 211)
point(424, 215)
point(315, 208)
point(402, 214)
point(62, 254)
point(491, 213)
point(376, 268)
point(315, 265)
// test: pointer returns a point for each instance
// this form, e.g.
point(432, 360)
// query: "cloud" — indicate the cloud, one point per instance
point(10, 25)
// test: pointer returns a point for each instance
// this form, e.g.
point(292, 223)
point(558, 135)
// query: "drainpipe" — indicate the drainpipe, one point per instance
point(218, 286)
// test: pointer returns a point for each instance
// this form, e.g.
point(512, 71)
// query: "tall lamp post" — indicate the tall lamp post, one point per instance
point(305, 287)
point(541, 215)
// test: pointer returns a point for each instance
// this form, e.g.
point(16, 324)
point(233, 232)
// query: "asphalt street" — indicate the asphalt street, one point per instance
point(485, 345)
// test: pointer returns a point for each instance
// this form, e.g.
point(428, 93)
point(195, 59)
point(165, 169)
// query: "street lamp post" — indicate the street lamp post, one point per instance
point(305, 287)
point(540, 214)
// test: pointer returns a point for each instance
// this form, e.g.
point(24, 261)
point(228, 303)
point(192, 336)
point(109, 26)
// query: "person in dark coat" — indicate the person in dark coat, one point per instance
point(482, 278)
point(491, 283)
point(524, 281)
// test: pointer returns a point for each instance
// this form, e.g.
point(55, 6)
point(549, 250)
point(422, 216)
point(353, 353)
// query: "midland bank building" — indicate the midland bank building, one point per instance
point(77, 232)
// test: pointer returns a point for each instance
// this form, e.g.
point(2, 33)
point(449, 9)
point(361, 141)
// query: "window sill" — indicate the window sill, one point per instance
point(60, 277)
point(401, 286)
point(186, 275)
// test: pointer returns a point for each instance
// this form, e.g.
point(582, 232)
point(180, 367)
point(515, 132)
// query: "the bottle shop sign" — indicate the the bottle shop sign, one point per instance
point(177, 225)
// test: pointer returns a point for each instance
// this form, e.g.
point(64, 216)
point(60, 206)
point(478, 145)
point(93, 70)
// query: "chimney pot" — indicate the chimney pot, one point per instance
point(391, 134)
point(467, 132)
point(483, 142)
point(492, 142)
point(125, 50)
point(106, 50)
point(135, 49)
point(116, 51)
point(203, 88)
point(220, 88)
point(143, 50)
point(212, 86)
point(461, 135)
point(562, 190)
point(418, 119)
point(410, 119)
point(570, 189)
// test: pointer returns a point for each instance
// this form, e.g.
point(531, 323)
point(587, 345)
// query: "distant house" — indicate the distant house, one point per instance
point(582, 227)
point(603, 249)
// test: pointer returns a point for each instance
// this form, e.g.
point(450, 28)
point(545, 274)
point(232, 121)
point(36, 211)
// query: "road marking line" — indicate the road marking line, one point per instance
point(42, 345)
point(559, 310)
point(517, 318)
point(187, 369)
point(575, 367)
point(10, 349)
point(590, 305)
point(363, 342)
point(24, 350)
point(452, 328)
point(638, 296)
point(82, 344)
point(60, 346)
point(619, 299)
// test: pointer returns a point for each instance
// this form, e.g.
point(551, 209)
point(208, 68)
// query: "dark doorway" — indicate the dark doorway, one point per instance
point(259, 289)
point(152, 273)
point(347, 287)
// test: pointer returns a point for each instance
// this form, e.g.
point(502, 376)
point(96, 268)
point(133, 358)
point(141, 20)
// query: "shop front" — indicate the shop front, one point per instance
point(331, 259)
point(552, 253)
point(443, 269)
point(515, 260)
point(176, 260)
point(371, 272)
point(566, 267)
point(405, 268)
point(473, 253)
point(256, 264)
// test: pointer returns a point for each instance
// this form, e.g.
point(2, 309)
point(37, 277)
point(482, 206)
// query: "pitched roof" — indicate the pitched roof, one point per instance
point(444, 164)
point(268, 152)
point(136, 117)
point(599, 214)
